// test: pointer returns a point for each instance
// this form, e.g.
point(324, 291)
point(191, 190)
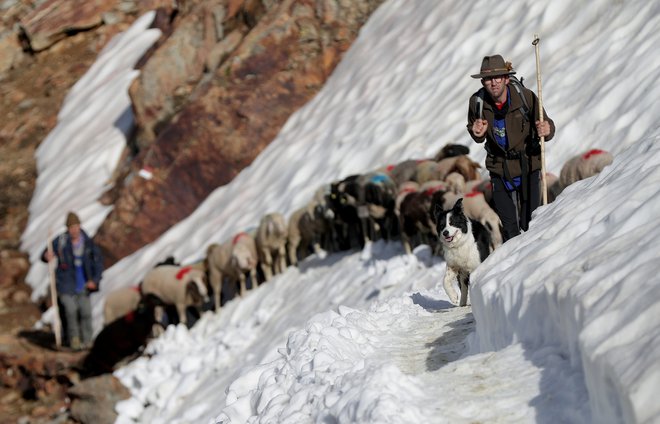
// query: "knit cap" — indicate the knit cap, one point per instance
point(72, 219)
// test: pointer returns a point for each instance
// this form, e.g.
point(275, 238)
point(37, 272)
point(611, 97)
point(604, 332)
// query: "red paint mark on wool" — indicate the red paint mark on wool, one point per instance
point(429, 191)
point(237, 237)
point(473, 194)
point(182, 272)
point(592, 152)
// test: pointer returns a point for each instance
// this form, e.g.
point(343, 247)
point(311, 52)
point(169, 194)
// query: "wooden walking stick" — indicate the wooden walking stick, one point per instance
point(57, 325)
point(544, 184)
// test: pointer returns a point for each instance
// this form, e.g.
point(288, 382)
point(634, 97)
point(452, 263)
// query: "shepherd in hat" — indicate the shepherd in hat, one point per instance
point(502, 115)
point(78, 273)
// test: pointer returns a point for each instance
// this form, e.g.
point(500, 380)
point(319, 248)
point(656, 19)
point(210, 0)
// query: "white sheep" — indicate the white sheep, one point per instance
point(477, 208)
point(455, 183)
point(233, 259)
point(584, 166)
point(431, 170)
point(305, 230)
point(120, 302)
point(271, 241)
point(176, 285)
point(484, 186)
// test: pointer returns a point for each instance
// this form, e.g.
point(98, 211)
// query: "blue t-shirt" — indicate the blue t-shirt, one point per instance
point(499, 128)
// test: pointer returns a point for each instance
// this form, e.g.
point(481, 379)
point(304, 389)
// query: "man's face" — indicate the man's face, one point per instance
point(496, 87)
point(74, 231)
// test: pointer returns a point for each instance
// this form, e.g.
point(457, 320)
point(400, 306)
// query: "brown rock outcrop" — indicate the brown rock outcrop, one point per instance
point(55, 19)
point(174, 69)
point(231, 116)
point(11, 52)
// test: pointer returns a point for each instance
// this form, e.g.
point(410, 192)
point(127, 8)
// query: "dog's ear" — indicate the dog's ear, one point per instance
point(458, 206)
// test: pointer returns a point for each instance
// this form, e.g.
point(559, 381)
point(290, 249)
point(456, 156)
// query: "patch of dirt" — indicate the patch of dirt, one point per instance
point(34, 376)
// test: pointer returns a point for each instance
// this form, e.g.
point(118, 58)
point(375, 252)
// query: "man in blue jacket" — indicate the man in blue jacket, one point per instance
point(79, 269)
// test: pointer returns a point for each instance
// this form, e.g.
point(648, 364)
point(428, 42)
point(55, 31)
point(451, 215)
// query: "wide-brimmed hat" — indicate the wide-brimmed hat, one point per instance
point(494, 66)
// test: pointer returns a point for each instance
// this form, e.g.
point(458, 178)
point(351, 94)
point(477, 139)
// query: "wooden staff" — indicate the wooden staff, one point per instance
point(544, 184)
point(57, 325)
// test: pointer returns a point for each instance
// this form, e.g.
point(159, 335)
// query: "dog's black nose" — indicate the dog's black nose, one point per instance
point(445, 233)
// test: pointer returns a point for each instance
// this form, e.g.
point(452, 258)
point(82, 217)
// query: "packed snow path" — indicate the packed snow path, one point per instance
point(370, 358)
point(434, 348)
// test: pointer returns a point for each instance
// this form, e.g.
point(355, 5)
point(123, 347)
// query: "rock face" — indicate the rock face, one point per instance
point(54, 19)
point(213, 92)
point(221, 118)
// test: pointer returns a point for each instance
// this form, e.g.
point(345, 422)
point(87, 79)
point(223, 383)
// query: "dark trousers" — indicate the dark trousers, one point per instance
point(514, 210)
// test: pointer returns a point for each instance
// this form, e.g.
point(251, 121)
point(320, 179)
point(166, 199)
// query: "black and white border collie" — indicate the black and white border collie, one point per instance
point(465, 244)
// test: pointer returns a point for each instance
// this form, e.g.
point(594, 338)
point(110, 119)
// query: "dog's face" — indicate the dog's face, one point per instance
point(451, 225)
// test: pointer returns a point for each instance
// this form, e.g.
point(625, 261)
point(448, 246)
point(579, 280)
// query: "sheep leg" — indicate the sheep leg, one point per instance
point(281, 256)
point(293, 249)
point(181, 310)
point(241, 282)
point(266, 265)
point(215, 280)
point(253, 278)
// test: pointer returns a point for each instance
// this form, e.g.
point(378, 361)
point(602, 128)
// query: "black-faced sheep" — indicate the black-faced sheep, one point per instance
point(271, 238)
point(343, 202)
point(178, 286)
point(415, 220)
point(121, 338)
point(376, 201)
point(451, 150)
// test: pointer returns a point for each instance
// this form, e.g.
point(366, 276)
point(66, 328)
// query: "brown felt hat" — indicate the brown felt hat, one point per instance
point(72, 219)
point(493, 66)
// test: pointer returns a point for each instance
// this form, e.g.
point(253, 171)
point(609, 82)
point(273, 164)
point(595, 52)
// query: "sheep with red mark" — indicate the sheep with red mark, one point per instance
point(484, 186)
point(178, 286)
point(476, 207)
point(271, 241)
point(120, 302)
point(584, 166)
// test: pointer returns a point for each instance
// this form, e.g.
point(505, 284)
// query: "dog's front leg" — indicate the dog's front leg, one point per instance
point(464, 283)
point(450, 277)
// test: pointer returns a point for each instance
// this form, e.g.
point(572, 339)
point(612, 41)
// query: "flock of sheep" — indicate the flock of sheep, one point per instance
point(392, 203)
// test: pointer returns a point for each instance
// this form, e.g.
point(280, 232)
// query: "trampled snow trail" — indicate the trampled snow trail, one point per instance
point(400, 352)
point(430, 342)
point(433, 349)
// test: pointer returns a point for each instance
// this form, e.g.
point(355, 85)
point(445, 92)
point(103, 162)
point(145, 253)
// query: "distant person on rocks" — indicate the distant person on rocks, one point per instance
point(78, 273)
point(504, 115)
